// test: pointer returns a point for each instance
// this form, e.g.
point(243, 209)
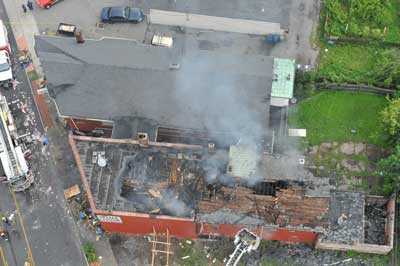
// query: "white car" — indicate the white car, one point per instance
point(160, 40)
point(6, 75)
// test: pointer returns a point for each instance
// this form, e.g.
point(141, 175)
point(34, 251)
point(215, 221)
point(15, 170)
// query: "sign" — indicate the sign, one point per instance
point(109, 219)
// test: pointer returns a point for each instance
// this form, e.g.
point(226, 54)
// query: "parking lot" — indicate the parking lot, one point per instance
point(296, 16)
point(85, 15)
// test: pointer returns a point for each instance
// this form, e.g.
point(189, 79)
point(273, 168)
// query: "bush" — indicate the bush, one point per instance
point(90, 252)
point(360, 64)
point(363, 18)
point(391, 118)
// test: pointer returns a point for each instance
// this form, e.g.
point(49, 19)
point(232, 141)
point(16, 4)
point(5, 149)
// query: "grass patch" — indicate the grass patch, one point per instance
point(191, 255)
point(330, 116)
point(90, 252)
point(376, 260)
point(359, 64)
point(33, 75)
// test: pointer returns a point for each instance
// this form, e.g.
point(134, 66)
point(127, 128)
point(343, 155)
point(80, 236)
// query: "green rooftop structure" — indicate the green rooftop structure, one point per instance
point(282, 81)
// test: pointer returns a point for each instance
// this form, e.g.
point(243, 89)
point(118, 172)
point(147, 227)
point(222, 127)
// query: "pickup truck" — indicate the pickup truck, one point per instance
point(6, 76)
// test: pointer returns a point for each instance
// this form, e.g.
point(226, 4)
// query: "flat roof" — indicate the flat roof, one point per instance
point(110, 78)
point(283, 79)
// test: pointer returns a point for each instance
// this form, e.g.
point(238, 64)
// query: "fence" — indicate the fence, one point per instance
point(355, 87)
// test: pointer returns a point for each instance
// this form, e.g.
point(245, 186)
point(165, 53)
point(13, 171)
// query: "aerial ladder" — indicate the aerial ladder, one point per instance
point(245, 242)
point(13, 162)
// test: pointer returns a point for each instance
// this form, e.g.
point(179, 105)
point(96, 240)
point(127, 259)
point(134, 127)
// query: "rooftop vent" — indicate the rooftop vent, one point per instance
point(143, 139)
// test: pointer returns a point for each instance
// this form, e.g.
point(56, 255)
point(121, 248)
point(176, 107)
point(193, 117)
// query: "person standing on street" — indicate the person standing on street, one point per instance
point(30, 5)
point(24, 8)
point(5, 220)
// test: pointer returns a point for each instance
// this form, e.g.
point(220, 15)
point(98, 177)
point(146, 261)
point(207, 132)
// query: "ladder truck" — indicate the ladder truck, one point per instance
point(13, 162)
point(245, 242)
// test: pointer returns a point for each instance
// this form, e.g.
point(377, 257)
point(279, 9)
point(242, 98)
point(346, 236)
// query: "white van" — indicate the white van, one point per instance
point(4, 43)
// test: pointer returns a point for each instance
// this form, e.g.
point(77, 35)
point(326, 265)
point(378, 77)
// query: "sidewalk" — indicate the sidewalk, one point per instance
point(24, 27)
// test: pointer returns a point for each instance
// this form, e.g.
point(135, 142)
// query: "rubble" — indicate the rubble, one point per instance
point(191, 184)
point(375, 220)
point(346, 216)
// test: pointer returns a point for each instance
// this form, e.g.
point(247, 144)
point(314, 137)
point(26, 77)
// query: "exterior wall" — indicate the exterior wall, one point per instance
point(363, 248)
point(88, 125)
point(389, 227)
point(197, 21)
point(143, 224)
point(266, 233)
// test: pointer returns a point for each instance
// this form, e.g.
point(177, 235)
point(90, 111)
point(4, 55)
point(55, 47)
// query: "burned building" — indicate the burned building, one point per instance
point(176, 141)
point(139, 186)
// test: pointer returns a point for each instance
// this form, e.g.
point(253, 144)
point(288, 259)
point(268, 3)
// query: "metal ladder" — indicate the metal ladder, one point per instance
point(237, 254)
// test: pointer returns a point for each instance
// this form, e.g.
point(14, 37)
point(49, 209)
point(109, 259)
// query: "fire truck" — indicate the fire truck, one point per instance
point(15, 167)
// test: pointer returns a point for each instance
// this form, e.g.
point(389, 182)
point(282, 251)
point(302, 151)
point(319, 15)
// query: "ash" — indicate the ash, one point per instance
point(158, 183)
point(346, 218)
point(375, 220)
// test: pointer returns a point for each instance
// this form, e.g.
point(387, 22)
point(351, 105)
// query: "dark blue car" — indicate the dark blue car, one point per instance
point(121, 14)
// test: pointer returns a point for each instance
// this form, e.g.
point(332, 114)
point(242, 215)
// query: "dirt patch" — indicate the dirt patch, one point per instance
point(359, 148)
point(325, 147)
point(353, 165)
point(130, 250)
point(347, 148)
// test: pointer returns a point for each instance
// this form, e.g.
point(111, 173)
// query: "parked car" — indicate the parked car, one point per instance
point(122, 14)
point(47, 3)
point(160, 40)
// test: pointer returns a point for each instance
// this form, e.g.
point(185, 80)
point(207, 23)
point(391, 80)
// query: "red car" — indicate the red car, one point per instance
point(47, 3)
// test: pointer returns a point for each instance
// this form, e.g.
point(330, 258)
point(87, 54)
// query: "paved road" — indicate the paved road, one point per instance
point(49, 232)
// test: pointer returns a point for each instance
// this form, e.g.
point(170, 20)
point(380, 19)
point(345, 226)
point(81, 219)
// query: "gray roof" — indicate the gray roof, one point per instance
point(110, 78)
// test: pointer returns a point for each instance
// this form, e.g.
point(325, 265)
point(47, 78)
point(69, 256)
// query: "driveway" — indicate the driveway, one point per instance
point(85, 15)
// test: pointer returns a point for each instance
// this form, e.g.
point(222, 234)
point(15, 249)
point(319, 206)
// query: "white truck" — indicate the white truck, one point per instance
point(6, 76)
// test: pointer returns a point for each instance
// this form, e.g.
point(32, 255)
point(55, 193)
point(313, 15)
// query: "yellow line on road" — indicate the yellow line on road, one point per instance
point(3, 258)
point(30, 257)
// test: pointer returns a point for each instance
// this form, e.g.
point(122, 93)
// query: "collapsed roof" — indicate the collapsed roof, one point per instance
point(191, 182)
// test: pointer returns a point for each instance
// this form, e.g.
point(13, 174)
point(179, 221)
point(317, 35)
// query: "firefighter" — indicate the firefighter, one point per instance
point(3, 234)
point(5, 220)
point(30, 5)
point(24, 8)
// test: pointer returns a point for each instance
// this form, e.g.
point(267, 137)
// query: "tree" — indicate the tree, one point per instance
point(391, 118)
point(389, 169)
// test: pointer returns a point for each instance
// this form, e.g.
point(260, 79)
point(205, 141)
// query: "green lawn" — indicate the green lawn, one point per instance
point(330, 116)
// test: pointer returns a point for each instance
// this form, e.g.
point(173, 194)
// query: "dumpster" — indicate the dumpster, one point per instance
point(273, 38)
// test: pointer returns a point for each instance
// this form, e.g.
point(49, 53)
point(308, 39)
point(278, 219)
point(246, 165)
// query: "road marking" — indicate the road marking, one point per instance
point(3, 258)
point(30, 257)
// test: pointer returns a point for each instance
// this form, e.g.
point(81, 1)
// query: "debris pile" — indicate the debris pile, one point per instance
point(375, 220)
point(346, 218)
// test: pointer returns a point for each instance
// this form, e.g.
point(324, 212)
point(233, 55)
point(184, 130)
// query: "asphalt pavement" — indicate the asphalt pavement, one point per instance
point(43, 228)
